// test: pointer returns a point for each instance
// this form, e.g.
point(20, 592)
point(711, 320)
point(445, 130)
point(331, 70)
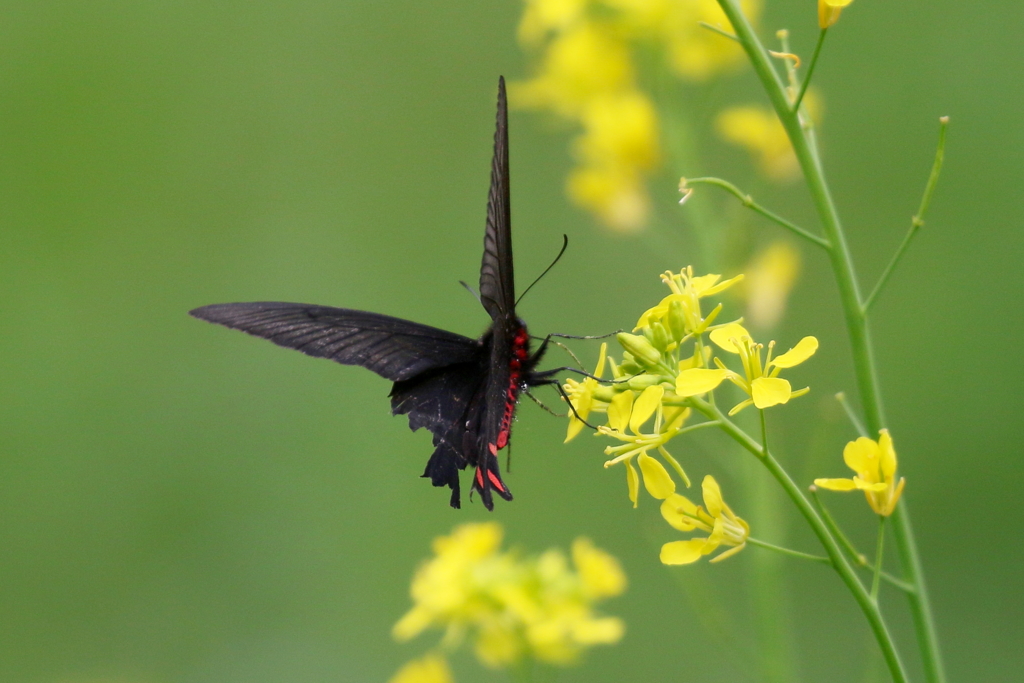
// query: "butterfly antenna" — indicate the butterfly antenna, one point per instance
point(568, 351)
point(596, 336)
point(565, 243)
point(543, 407)
point(471, 291)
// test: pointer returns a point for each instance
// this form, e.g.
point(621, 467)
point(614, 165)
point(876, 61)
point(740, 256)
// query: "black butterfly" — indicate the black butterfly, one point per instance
point(463, 390)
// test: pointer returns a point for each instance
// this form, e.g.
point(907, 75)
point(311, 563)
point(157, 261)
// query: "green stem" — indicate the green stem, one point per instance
point(854, 420)
point(917, 221)
point(835, 553)
point(878, 558)
point(810, 69)
point(749, 202)
point(856, 321)
point(788, 551)
point(855, 555)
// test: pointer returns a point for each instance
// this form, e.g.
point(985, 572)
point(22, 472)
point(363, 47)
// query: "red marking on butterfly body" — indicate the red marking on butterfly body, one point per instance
point(520, 353)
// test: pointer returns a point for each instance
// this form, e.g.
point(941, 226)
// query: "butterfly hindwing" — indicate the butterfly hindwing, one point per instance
point(395, 349)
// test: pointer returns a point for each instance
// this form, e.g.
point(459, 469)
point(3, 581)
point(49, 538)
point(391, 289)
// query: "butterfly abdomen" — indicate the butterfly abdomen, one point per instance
point(517, 371)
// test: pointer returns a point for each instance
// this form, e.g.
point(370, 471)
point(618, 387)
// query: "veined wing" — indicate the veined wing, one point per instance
point(395, 349)
point(497, 284)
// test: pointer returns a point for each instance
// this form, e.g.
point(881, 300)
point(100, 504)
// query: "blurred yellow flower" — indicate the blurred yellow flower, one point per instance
point(760, 381)
point(770, 278)
point(717, 520)
point(513, 607)
point(875, 465)
point(759, 131)
point(585, 74)
point(829, 11)
point(432, 668)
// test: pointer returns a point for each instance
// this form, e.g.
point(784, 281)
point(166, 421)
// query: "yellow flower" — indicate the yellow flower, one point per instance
point(875, 465)
point(512, 607)
point(829, 11)
point(770, 279)
point(624, 412)
point(581, 396)
point(760, 382)
point(718, 521)
point(687, 290)
point(430, 669)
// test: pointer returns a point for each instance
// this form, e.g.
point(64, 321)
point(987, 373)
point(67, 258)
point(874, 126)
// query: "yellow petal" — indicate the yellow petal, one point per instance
point(740, 406)
point(619, 409)
point(704, 283)
point(861, 456)
point(632, 482)
point(836, 484)
point(894, 497)
point(430, 669)
point(712, 496)
point(683, 552)
point(601, 357)
point(645, 406)
point(798, 354)
point(600, 573)
point(698, 381)
point(770, 391)
point(869, 485)
point(886, 455)
point(582, 407)
point(412, 624)
point(679, 512)
point(729, 553)
point(829, 11)
point(725, 284)
point(723, 336)
point(603, 631)
point(656, 478)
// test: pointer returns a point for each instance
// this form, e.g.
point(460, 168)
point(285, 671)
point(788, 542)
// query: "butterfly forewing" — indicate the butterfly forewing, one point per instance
point(497, 284)
point(395, 349)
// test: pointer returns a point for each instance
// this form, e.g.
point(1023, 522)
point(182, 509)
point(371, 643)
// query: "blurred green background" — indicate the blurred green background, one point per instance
point(182, 504)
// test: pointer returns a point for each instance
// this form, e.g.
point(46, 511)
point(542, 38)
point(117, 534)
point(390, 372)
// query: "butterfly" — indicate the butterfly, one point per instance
point(463, 390)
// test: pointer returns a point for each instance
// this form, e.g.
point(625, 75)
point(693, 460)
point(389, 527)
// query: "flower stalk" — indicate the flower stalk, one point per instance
point(801, 137)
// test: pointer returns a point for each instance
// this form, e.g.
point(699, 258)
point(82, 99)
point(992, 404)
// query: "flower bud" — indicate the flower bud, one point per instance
point(643, 351)
point(658, 336)
point(641, 382)
point(676, 320)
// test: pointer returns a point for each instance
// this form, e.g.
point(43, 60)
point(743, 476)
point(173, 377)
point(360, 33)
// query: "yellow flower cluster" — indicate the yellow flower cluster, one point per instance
point(511, 607)
point(586, 74)
point(666, 364)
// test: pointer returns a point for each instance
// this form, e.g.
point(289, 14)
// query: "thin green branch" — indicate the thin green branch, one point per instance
point(917, 222)
point(854, 420)
point(879, 548)
point(749, 202)
point(855, 555)
point(810, 70)
point(719, 30)
point(835, 553)
point(789, 551)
